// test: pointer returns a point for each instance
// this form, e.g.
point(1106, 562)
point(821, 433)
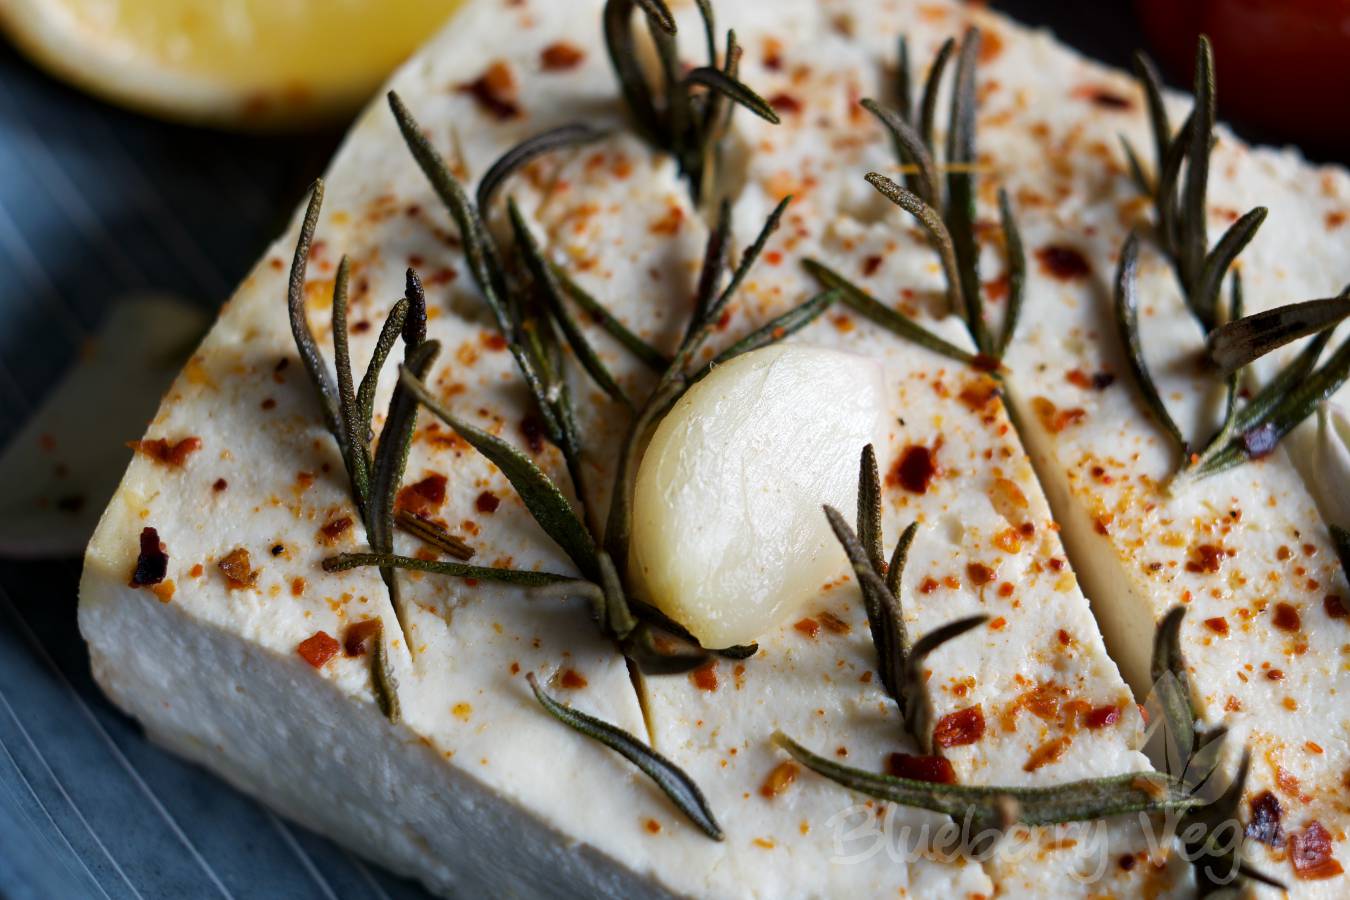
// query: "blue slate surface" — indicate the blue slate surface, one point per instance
point(95, 201)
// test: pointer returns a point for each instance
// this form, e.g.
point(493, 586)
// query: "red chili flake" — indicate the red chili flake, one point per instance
point(1054, 419)
point(334, 529)
point(1079, 378)
point(220, 485)
point(238, 569)
point(1049, 752)
point(487, 502)
point(1207, 559)
point(1103, 380)
point(161, 451)
point(1218, 625)
point(808, 626)
point(424, 497)
point(533, 431)
point(669, 223)
point(561, 55)
point(152, 563)
point(572, 680)
point(833, 623)
point(318, 648)
point(870, 264)
point(493, 341)
point(928, 586)
point(360, 637)
point(1064, 263)
point(1102, 716)
point(935, 769)
point(983, 362)
point(1275, 675)
point(1310, 852)
point(965, 726)
point(978, 394)
point(980, 573)
point(1334, 606)
point(1126, 861)
point(779, 780)
point(914, 470)
point(1286, 617)
point(705, 676)
point(785, 103)
point(1264, 825)
point(494, 91)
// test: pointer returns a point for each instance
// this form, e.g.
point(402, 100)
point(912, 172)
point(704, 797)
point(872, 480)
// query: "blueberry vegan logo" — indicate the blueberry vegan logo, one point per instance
point(1187, 808)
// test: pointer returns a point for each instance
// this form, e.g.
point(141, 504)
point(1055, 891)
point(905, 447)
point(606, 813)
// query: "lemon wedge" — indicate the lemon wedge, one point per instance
point(237, 63)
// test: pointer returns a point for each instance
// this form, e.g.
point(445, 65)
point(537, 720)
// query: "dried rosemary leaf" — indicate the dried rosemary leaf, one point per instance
point(1205, 293)
point(1127, 323)
point(1244, 340)
point(384, 345)
point(910, 149)
point(918, 705)
point(717, 80)
point(1172, 692)
point(433, 535)
point(895, 322)
point(960, 209)
point(672, 780)
point(938, 235)
point(1194, 220)
point(928, 104)
point(1017, 273)
point(574, 134)
point(789, 323)
point(525, 578)
point(300, 330)
point(356, 456)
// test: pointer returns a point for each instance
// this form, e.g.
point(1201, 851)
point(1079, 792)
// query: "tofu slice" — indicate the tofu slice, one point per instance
point(1048, 124)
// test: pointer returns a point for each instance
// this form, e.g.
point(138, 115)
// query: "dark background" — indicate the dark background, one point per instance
point(95, 201)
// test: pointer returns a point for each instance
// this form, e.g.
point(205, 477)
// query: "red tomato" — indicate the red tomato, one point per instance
point(1283, 66)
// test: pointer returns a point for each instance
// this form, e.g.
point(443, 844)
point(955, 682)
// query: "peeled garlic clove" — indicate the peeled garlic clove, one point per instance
point(729, 538)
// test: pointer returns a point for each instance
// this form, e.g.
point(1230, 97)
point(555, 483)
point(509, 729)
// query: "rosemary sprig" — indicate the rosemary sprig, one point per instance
point(678, 786)
point(348, 413)
point(683, 121)
point(895, 322)
point(995, 807)
point(952, 230)
point(899, 660)
point(1250, 431)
